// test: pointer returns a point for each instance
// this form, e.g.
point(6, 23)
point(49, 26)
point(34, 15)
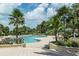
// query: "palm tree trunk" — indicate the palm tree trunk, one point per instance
point(74, 35)
point(74, 30)
point(56, 35)
point(64, 28)
point(17, 33)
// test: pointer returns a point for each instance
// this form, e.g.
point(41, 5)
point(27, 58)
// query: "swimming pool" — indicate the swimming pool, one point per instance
point(31, 38)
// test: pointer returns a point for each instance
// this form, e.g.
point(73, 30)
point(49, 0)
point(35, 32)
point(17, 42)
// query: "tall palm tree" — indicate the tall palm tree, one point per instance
point(16, 18)
point(63, 14)
point(55, 23)
point(73, 23)
point(75, 11)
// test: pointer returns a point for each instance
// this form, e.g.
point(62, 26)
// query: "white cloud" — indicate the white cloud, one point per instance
point(43, 5)
point(50, 12)
point(6, 8)
point(37, 13)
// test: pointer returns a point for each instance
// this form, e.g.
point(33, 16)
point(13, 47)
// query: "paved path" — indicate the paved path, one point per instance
point(20, 51)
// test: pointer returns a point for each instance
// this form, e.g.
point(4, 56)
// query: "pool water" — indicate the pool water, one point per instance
point(31, 38)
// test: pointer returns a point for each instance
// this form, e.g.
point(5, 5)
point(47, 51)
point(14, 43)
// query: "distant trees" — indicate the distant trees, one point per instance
point(42, 28)
point(4, 30)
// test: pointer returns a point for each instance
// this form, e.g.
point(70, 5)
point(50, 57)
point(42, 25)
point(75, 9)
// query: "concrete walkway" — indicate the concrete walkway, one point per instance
point(20, 51)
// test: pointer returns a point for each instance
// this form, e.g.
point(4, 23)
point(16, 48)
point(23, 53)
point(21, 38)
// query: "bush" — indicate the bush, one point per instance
point(19, 40)
point(67, 35)
point(68, 43)
point(75, 44)
point(59, 43)
point(7, 41)
point(11, 41)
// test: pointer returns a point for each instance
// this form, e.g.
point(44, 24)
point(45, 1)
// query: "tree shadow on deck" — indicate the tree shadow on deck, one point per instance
point(53, 52)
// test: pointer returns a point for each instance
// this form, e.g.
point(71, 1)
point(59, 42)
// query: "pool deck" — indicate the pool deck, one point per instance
point(33, 49)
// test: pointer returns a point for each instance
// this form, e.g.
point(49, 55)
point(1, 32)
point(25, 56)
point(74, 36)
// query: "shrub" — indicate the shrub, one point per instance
point(69, 43)
point(61, 42)
point(67, 35)
point(19, 40)
point(75, 44)
point(11, 41)
point(7, 41)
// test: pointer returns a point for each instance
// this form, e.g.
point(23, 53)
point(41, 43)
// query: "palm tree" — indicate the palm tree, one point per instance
point(63, 14)
point(73, 22)
point(55, 23)
point(75, 11)
point(16, 18)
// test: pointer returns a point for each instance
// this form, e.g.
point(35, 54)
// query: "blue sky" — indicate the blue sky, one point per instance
point(34, 13)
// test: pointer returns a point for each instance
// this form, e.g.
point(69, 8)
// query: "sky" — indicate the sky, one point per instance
point(34, 13)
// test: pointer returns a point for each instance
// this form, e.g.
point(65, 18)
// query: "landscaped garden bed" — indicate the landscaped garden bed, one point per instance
point(10, 45)
point(69, 45)
point(12, 42)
